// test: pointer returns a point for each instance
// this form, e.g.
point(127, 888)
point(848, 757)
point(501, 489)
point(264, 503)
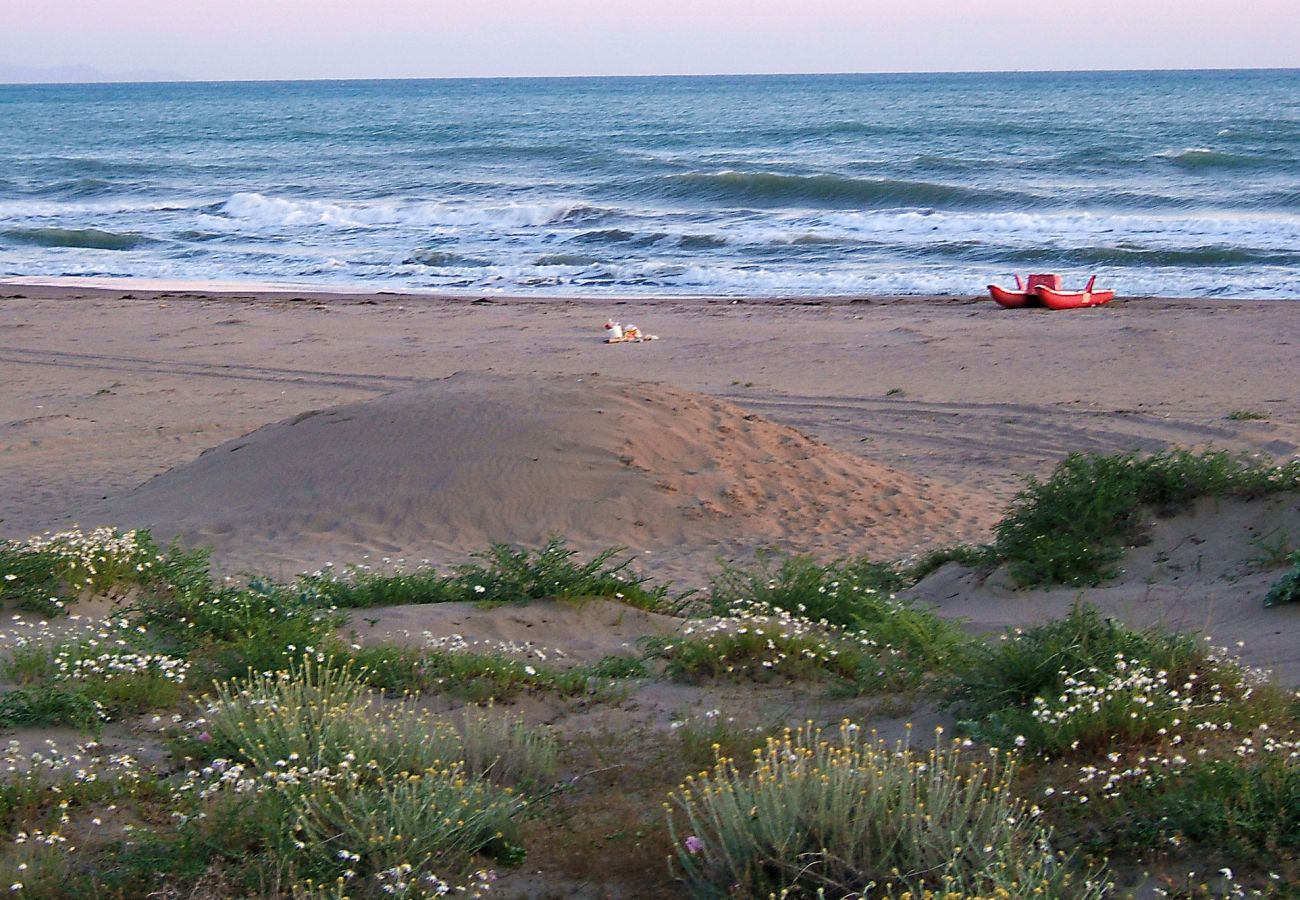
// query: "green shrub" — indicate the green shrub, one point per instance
point(758, 642)
point(262, 627)
point(1287, 588)
point(1212, 793)
point(507, 574)
point(360, 587)
point(969, 556)
point(313, 775)
point(1247, 803)
point(854, 595)
point(1072, 528)
point(476, 676)
point(434, 821)
point(322, 716)
point(799, 584)
point(1085, 681)
point(500, 747)
point(44, 574)
point(846, 816)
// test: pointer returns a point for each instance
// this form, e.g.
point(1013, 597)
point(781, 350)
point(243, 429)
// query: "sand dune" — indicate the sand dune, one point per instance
point(477, 458)
point(1204, 571)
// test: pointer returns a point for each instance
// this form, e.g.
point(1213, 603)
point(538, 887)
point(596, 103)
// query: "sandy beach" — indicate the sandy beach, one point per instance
point(889, 425)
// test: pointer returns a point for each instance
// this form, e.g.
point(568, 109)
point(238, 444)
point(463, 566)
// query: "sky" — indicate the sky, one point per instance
point(263, 39)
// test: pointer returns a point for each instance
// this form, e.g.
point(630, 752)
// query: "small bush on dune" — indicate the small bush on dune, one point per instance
point(1085, 681)
point(845, 815)
point(44, 574)
point(262, 627)
point(1287, 588)
point(477, 676)
point(853, 595)
point(311, 770)
point(757, 642)
point(507, 574)
point(836, 592)
point(972, 557)
point(1072, 528)
point(433, 821)
point(322, 716)
point(50, 705)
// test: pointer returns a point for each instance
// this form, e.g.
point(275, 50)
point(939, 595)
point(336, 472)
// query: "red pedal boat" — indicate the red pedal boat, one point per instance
point(1045, 290)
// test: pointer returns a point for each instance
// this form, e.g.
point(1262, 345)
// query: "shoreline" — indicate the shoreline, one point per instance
point(154, 289)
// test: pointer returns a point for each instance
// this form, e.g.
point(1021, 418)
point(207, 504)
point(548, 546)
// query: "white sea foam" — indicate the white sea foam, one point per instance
point(260, 210)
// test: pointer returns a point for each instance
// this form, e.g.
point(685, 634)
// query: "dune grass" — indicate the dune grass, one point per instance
point(1073, 527)
point(504, 574)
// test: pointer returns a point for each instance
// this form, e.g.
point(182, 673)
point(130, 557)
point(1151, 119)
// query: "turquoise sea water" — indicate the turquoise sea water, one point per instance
point(1173, 183)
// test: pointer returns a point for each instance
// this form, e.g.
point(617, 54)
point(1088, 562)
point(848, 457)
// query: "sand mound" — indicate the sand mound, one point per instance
point(1204, 571)
point(481, 458)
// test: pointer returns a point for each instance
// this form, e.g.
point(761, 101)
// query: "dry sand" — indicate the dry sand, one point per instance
point(881, 426)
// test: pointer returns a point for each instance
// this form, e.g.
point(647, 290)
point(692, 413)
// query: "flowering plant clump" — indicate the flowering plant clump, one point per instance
point(1129, 702)
point(107, 667)
point(855, 595)
point(845, 815)
point(1083, 682)
point(47, 572)
point(760, 641)
point(348, 785)
point(1197, 786)
point(1073, 527)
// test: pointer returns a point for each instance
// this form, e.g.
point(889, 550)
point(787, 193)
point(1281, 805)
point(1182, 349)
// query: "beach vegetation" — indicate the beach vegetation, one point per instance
point(845, 815)
point(456, 667)
point(1287, 588)
point(848, 595)
point(1084, 682)
point(759, 642)
point(1073, 527)
point(45, 574)
point(309, 771)
point(970, 556)
point(286, 762)
point(1246, 415)
point(502, 574)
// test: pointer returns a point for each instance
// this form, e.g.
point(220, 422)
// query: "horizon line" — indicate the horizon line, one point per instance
point(110, 80)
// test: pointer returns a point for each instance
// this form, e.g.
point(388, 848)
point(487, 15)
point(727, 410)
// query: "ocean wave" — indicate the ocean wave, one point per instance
point(620, 236)
point(701, 242)
point(75, 187)
point(767, 189)
point(565, 259)
point(1196, 159)
point(85, 238)
point(1188, 257)
point(439, 259)
point(261, 210)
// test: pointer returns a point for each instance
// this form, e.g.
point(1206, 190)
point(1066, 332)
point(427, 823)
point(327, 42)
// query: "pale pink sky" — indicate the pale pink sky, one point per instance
point(382, 38)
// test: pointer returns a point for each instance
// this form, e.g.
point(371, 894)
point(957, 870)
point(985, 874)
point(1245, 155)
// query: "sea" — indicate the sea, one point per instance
point(1172, 183)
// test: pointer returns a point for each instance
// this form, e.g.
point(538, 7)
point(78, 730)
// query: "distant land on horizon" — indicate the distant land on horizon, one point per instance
point(79, 74)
